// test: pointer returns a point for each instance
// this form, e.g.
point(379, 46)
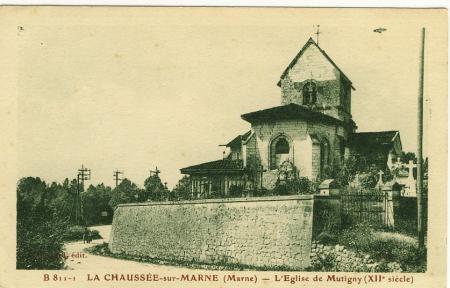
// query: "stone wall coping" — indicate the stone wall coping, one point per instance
point(224, 200)
point(319, 196)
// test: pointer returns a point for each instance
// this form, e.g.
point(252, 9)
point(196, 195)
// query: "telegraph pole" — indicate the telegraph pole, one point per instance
point(420, 218)
point(116, 176)
point(83, 174)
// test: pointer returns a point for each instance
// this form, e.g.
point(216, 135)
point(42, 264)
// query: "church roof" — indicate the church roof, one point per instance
point(237, 141)
point(312, 42)
point(374, 139)
point(290, 111)
point(218, 166)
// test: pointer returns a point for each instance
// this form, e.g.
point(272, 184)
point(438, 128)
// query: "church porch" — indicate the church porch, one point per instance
point(215, 179)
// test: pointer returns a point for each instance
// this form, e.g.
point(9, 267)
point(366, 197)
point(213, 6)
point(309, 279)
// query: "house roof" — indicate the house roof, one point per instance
point(218, 166)
point(372, 139)
point(237, 141)
point(308, 43)
point(290, 111)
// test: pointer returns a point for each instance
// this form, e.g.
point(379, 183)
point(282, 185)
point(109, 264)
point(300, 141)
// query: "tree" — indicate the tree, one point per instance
point(126, 192)
point(31, 190)
point(95, 201)
point(63, 199)
point(183, 189)
point(155, 189)
point(39, 229)
point(356, 169)
point(406, 157)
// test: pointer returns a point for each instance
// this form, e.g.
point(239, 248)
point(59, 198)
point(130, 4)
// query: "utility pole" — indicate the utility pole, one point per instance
point(420, 218)
point(83, 174)
point(116, 176)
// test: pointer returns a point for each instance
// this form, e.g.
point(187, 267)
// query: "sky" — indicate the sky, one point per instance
point(131, 89)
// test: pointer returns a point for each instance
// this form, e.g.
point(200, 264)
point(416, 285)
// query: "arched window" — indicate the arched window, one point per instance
point(282, 146)
point(279, 152)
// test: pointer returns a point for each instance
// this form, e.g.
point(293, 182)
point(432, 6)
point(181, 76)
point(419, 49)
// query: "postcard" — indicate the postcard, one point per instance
point(223, 147)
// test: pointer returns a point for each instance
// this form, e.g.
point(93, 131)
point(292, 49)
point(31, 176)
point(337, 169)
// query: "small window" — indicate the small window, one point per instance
point(309, 93)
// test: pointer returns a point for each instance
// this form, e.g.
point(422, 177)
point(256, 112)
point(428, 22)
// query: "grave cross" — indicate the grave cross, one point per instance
point(380, 179)
point(411, 166)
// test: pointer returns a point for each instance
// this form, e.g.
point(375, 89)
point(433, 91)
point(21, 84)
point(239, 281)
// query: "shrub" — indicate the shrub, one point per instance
point(356, 170)
point(262, 192)
point(39, 227)
point(95, 234)
point(300, 185)
point(39, 243)
point(75, 233)
point(235, 191)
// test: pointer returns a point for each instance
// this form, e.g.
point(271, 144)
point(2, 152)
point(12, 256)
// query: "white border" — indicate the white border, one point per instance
point(268, 3)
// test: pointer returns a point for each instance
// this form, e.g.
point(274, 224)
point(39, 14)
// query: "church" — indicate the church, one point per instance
point(309, 132)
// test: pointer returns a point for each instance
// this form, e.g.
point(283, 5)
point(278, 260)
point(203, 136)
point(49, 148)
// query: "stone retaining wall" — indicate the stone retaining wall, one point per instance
point(260, 232)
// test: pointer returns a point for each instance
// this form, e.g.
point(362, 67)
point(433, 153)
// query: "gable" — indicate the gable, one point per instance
point(319, 63)
point(237, 141)
point(397, 147)
point(312, 64)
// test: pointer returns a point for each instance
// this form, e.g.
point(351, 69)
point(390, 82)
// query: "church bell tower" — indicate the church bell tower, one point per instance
point(313, 80)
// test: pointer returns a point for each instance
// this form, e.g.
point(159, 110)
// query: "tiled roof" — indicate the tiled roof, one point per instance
point(311, 41)
point(238, 139)
point(290, 111)
point(224, 165)
point(371, 139)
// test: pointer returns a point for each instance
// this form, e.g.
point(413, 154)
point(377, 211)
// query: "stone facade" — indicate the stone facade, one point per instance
point(305, 140)
point(333, 89)
point(259, 232)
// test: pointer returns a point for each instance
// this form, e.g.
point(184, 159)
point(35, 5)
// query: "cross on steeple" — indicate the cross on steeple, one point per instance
point(317, 34)
point(156, 171)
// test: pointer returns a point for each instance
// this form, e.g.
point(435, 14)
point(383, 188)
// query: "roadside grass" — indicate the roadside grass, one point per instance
point(383, 247)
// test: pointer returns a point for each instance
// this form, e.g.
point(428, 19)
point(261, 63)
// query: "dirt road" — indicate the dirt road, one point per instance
point(80, 260)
